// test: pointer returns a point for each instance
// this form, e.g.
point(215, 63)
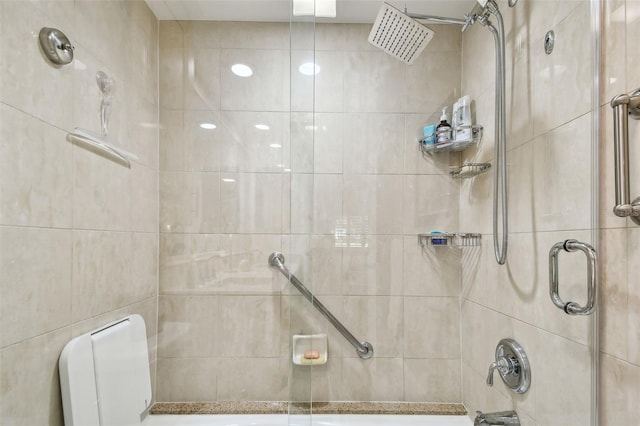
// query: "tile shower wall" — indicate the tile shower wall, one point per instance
point(336, 183)
point(548, 161)
point(79, 233)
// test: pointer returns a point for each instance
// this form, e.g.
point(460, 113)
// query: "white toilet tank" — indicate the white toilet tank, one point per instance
point(104, 375)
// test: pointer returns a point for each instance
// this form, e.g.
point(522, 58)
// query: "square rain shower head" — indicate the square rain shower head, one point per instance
point(399, 35)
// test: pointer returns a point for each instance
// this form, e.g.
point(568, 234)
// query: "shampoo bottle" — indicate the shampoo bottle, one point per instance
point(444, 128)
point(455, 121)
point(464, 119)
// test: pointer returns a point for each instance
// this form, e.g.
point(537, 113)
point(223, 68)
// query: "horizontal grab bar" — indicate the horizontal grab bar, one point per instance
point(363, 349)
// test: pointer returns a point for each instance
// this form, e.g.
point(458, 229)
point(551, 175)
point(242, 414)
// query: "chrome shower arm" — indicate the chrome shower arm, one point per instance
point(437, 19)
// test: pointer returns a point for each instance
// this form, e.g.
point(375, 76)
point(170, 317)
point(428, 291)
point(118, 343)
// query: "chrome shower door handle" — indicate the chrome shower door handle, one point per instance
point(624, 106)
point(573, 308)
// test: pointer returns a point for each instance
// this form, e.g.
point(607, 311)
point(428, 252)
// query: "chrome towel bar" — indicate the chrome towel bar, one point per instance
point(624, 106)
point(363, 349)
point(572, 308)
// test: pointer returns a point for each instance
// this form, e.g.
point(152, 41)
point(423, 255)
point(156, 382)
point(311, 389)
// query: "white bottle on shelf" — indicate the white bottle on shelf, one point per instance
point(455, 121)
point(463, 118)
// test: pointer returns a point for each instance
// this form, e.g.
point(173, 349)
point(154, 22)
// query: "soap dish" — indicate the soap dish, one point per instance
point(306, 343)
point(469, 170)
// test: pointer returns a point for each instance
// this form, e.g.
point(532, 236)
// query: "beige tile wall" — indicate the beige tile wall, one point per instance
point(343, 197)
point(549, 190)
point(78, 233)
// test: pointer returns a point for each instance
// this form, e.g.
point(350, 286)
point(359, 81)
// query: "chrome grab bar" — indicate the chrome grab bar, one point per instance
point(624, 106)
point(363, 349)
point(572, 308)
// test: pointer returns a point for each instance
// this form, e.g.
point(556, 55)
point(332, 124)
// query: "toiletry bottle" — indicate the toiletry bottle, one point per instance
point(429, 134)
point(444, 128)
point(455, 114)
point(464, 119)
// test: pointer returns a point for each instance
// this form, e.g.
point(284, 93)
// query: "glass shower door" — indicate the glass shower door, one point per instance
point(552, 160)
point(305, 325)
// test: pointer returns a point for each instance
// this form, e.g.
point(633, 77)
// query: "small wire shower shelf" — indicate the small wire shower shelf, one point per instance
point(468, 170)
point(447, 239)
point(429, 146)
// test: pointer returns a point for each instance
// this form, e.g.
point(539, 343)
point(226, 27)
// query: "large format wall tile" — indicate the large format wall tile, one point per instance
point(374, 143)
point(26, 77)
point(430, 203)
point(31, 368)
point(374, 202)
point(563, 75)
point(430, 271)
point(36, 282)
point(376, 319)
point(372, 265)
point(187, 379)
point(262, 379)
point(373, 82)
point(188, 327)
point(202, 79)
point(433, 380)
point(101, 272)
point(36, 175)
point(193, 263)
point(254, 141)
point(258, 317)
point(562, 160)
point(266, 90)
point(101, 192)
point(375, 380)
point(251, 203)
point(190, 202)
point(431, 327)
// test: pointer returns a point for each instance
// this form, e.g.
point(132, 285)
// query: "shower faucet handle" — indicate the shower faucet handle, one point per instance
point(504, 366)
point(512, 364)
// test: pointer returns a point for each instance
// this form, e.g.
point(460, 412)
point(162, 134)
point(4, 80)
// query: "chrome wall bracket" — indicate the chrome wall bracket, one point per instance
point(572, 308)
point(56, 46)
point(513, 365)
point(624, 106)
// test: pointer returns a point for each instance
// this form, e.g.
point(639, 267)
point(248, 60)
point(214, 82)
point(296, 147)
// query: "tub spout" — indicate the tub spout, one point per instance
point(500, 418)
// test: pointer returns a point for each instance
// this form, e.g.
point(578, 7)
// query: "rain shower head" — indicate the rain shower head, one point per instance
point(399, 35)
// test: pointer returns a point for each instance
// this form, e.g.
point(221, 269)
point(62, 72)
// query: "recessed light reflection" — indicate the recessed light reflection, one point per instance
point(262, 127)
point(275, 145)
point(311, 128)
point(208, 126)
point(228, 180)
point(309, 68)
point(242, 70)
